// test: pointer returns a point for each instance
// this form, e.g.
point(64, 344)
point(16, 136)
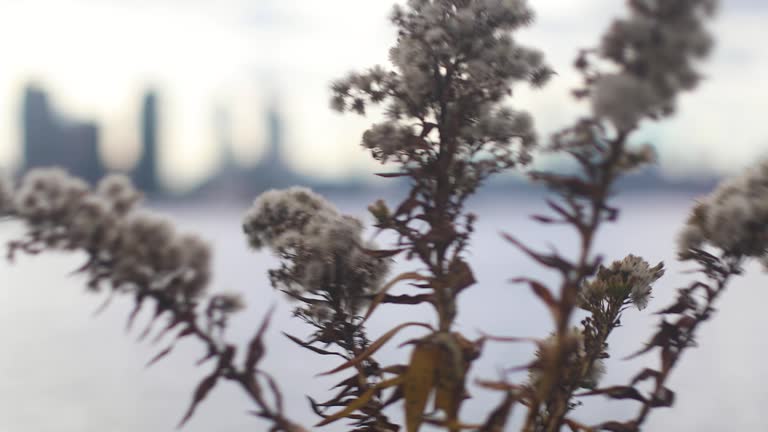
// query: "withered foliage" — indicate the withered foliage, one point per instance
point(446, 131)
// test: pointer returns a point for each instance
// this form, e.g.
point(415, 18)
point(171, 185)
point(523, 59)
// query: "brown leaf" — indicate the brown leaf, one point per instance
point(138, 303)
point(512, 339)
point(383, 291)
point(645, 374)
point(451, 425)
point(456, 355)
point(498, 385)
point(201, 392)
point(208, 356)
point(172, 323)
point(663, 397)
point(407, 206)
point(567, 215)
point(275, 391)
point(614, 426)
point(320, 351)
point(576, 426)
point(418, 384)
point(617, 392)
point(406, 299)
point(391, 175)
point(497, 419)
point(666, 333)
point(543, 293)
point(361, 401)
point(159, 356)
point(394, 397)
point(545, 219)
point(683, 303)
point(372, 348)
point(461, 275)
point(547, 260)
point(256, 345)
point(383, 253)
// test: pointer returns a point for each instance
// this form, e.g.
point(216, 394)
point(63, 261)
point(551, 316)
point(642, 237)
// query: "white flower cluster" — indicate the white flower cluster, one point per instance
point(622, 99)
point(387, 139)
point(321, 249)
point(656, 48)
point(733, 218)
point(502, 127)
point(453, 60)
point(629, 279)
point(278, 215)
point(639, 276)
point(476, 31)
point(128, 247)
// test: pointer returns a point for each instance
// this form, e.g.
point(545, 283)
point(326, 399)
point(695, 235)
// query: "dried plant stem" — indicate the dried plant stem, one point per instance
point(246, 377)
point(601, 177)
point(670, 357)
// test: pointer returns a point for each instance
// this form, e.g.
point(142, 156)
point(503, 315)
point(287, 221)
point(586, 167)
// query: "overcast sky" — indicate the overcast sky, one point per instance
point(97, 57)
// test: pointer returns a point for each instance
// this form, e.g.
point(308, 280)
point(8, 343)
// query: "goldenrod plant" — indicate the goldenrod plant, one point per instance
point(449, 125)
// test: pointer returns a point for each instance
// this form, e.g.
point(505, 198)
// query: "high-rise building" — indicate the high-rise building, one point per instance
point(272, 171)
point(235, 180)
point(50, 139)
point(145, 175)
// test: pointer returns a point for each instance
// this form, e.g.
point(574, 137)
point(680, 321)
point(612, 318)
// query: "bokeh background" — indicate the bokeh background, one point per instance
point(206, 104)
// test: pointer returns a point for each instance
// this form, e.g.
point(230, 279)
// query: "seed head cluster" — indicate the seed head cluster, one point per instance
point(733, 218)
point(627, 280)
point(128, 247)
point(321, 250)
point(656, 48)
point(454, 63)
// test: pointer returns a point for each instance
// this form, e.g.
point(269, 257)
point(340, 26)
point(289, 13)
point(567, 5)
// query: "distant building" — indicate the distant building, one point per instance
point(145, 175)
point(234, 180)
point(272, 171)
point(49, 139)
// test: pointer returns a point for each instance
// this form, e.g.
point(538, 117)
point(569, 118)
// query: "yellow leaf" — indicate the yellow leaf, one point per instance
point(419, 380)
point(361, 401)
point(449, 388)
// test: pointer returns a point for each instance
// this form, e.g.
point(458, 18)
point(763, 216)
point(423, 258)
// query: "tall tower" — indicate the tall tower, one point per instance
point(39, 131)
point(273, 157)
point(145, 174)
point(222, 126)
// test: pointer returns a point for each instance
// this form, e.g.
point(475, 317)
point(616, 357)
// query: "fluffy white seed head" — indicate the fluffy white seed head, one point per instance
point(129, 248)
point(622, 100)
point(630, 279)
point(118, 190)
point(656, 49)
point(733, 218)
point(277, 212)
point(321, 249)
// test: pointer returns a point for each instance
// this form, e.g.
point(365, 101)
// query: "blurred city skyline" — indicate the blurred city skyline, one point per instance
point(97, 59)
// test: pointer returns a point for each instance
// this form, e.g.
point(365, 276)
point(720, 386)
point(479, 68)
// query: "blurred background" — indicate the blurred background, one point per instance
point(204, 102)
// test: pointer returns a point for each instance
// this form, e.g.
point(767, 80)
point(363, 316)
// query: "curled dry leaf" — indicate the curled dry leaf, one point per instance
point(419, 381)
point(383, 291)
point(361, 401)
point(205, 386)
point(372, 348)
